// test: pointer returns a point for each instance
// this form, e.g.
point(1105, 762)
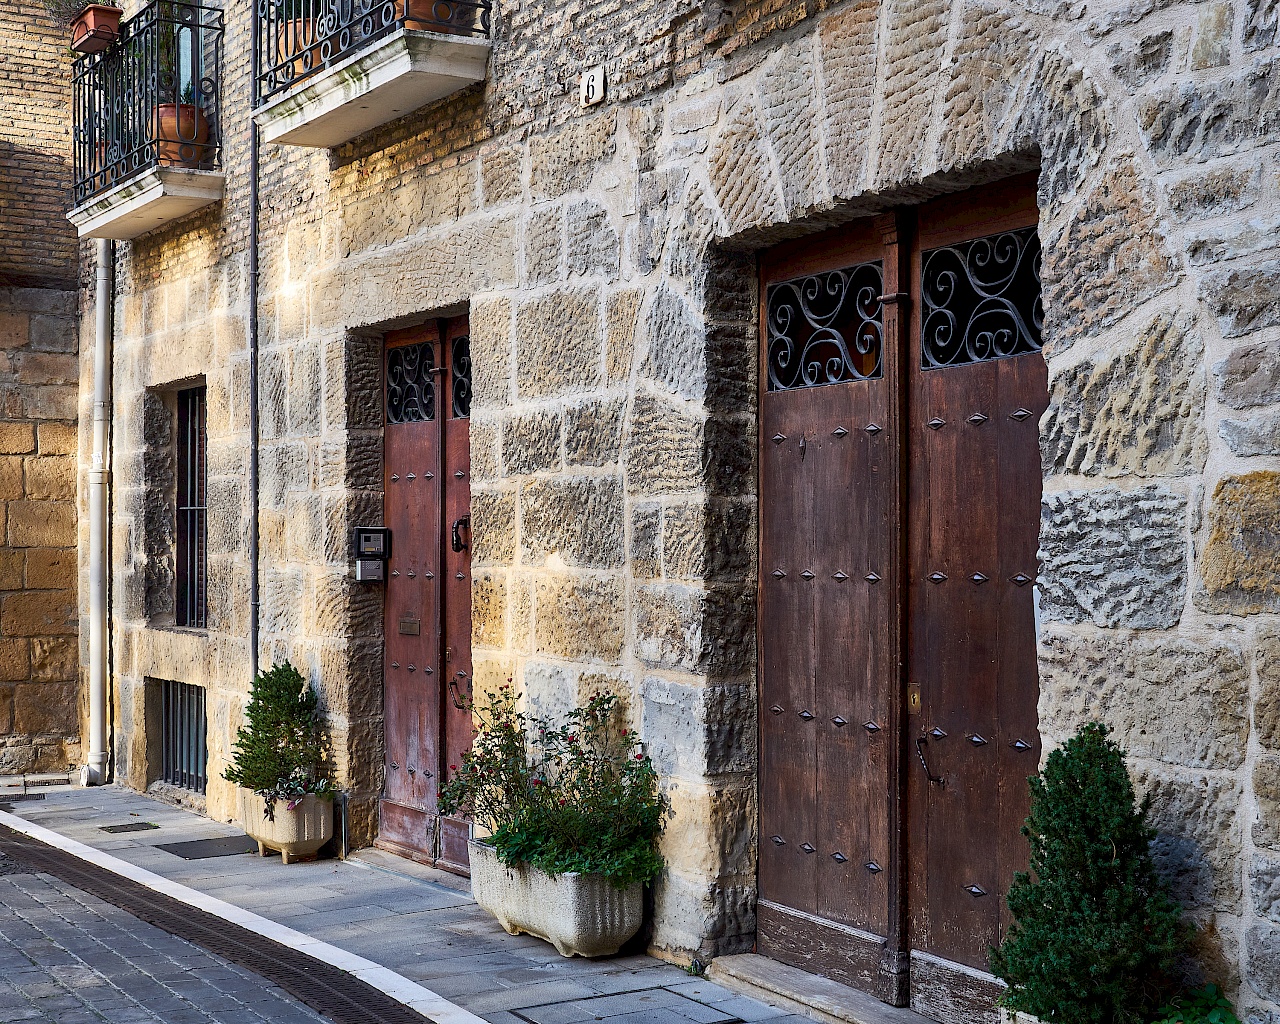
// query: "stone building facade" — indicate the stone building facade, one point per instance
point(607, 260)
point(39, 663)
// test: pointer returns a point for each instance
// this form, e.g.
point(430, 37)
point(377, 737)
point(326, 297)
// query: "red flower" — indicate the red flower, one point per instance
point(537, 782)
point(639, 757)
point(561, 803)
point(453, 767)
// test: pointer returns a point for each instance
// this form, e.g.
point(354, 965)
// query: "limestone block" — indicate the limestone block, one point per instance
point(531, 442)
point(710, 918)
point(15, 664)
point(493, 526)
point(1137, 62)
point(730, 455)
point(1266, 794)
point(1194, 121)
point(563, 162)
point(789, 114)
point(1113, 558)
point(50, 476)
point(1258, 435)
point(1248, 376)
point(622, 312)
point(1198, 835)
point(42, 524)
point(10, 477)
point(1262, 21)
point(593, 245)
point(281, 601)
point(1211, 44)
point(558, 343)
point(46, 709)
point(690, 629)
point(485, 440)
point(1214, 193)
point(913, 55)
point(17, 438)
point(593, 432)
point(544, 245)
point(1264, 885)
point(12, 562)
point(490, 324)
point(1262, 952)
point(501, 174)
point(1180, 700)
point(579, 518)
point(646, 541)
point(993, 50)
point(55, 659)
point(847, 51)
point(1111, 256)
point(520, 598)
point(656, 193)
point(49, 568)
point(1266, 710)
point(489, 610)
point(55, 438)
point(304, 387)
point(711, 830)
point(693, 731)
point(663, 447)
point(1240, 562)
point(1137, 410)
point(740, 173)
point(1244, 299)
point(580, 618)
point(676, 358)
point(713, 540)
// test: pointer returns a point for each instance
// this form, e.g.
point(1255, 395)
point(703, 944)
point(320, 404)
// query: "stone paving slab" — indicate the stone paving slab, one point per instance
point(411, 919)
point(69, 958)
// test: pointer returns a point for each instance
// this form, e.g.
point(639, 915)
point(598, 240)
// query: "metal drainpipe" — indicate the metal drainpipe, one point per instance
point(95, 773)
point(253, 383)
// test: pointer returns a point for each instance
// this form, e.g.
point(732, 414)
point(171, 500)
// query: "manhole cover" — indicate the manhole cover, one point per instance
point(132, 826)
point(659, 1004)
point(9, 866)
point(199, 849)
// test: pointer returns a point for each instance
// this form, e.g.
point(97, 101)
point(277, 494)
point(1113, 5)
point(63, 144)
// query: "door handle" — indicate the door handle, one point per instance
point(937, 780)
point(458, 524)
point(456, 698)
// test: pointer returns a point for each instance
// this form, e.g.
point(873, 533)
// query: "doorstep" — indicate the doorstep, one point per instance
point(814, 996)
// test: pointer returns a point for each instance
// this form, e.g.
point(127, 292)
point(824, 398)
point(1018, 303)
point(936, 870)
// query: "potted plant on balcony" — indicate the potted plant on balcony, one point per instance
point(94, 26)
point(179, 126)
point(281, 767)
point(573, 814)
point(182, 132)
point(298, 27)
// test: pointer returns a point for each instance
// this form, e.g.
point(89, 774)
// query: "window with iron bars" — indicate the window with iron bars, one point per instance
point(189, 605)
point(184, 750)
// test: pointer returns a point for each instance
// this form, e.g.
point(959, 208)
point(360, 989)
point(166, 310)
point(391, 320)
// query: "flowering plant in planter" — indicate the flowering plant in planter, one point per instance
point(581, 796)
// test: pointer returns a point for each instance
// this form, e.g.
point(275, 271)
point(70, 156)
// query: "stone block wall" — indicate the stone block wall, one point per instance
point(606, 260)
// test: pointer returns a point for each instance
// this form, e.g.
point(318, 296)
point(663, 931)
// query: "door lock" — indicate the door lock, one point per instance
point(913, 699)
point(458, 524)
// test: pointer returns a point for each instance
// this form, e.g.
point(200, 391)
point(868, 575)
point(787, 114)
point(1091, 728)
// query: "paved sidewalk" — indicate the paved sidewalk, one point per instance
point(69, 958)
point(411, 919)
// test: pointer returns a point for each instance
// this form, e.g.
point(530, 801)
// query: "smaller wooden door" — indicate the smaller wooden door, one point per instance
point(427, 602)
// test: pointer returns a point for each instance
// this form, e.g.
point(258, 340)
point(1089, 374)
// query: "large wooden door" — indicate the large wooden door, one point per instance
point(427, 603)
point(899, 516)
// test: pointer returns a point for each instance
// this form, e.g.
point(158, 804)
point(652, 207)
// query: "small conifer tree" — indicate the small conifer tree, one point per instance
point(1096, 932)
point(280, 752)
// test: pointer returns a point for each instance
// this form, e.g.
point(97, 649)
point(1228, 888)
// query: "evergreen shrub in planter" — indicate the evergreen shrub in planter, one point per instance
point(281, 767)
point(573, 813)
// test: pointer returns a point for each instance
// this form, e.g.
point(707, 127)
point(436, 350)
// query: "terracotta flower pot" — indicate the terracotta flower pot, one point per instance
point(296, 833)
point(294, 38)
point(441, 16)
point(95, 28)
point(182, 131)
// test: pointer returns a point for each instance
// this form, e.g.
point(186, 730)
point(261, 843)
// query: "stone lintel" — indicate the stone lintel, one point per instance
point(395, 76)
point(148, 201)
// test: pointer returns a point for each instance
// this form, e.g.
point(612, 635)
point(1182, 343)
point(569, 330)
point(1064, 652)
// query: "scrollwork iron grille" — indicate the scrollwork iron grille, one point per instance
point(411, 388)
point(461, 377)
point(297, 38)
point(151, 99)
point(826, 328)
point(981, 300)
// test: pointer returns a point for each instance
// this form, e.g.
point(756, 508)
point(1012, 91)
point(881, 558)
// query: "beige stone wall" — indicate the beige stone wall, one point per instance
point(605, 259)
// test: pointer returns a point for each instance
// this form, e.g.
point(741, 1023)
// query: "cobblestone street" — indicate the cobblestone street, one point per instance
point(69, 958)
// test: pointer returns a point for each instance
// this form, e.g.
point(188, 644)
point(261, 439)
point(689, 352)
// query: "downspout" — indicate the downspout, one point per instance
point(99, 478)
point(253, 367)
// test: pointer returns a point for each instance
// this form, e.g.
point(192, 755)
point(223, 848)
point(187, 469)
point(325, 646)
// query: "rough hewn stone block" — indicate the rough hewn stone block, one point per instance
point(1179, 700)
point(691, 629)
point(1135, 411)
point(544, 245)
point(10, 477)
point(593, 245)
point(15, 664)
point(789, 114)
point(1245, 299)
point(1249, 375)
point(42, 524)
point(1265, 886)
point(1240, 563)
point(563, 162)
point(580, 518)
point(500, 174)
point(663, 448)
point(1266, 710)
point(50, 476)
point(695, 731)
point(38, 613)
point(916, 33)
point(1262, 22)
point(17, 438)
point(740, 172)
point(45, 709)
point(558, 344)
point(488, 610)
point(847, 47)
point(713, 541)
point(493, 527)
point(622, 311)
point(50, 568)
point(1259, 435)
point(57, 438)
point(56, 659)
point(1114, 558)
point(1137, 62)
point(531, 442)
point(490, 324)
point(580, 618)
point(1266, 791)
point(593, 432)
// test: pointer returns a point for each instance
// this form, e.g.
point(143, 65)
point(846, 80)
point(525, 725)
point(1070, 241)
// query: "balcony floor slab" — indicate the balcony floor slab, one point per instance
point(147, 201)
point(396, 75)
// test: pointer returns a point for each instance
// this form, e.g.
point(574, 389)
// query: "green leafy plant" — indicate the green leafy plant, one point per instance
point(66, 11)
point(578, 796)
point(281, 752)
point(1096, 932)
point(1205, 1005)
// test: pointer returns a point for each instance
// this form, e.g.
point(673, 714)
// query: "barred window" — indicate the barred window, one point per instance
point(189, 606)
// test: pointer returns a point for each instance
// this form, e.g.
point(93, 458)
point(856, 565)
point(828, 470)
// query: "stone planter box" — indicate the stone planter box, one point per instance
point(581, 915)
point(296, 833)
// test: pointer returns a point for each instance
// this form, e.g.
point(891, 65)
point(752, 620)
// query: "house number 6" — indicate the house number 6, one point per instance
point(591, 86)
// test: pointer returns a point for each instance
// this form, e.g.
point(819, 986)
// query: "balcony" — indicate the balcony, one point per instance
point(147, 145)
point(333, 69)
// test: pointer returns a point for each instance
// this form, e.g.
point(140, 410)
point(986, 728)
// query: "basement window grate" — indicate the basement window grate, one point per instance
point(192, 509)
point(185, 755)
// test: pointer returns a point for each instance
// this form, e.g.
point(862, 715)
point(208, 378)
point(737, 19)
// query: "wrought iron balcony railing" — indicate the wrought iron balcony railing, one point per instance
point(298, 38)
point(150, 100)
